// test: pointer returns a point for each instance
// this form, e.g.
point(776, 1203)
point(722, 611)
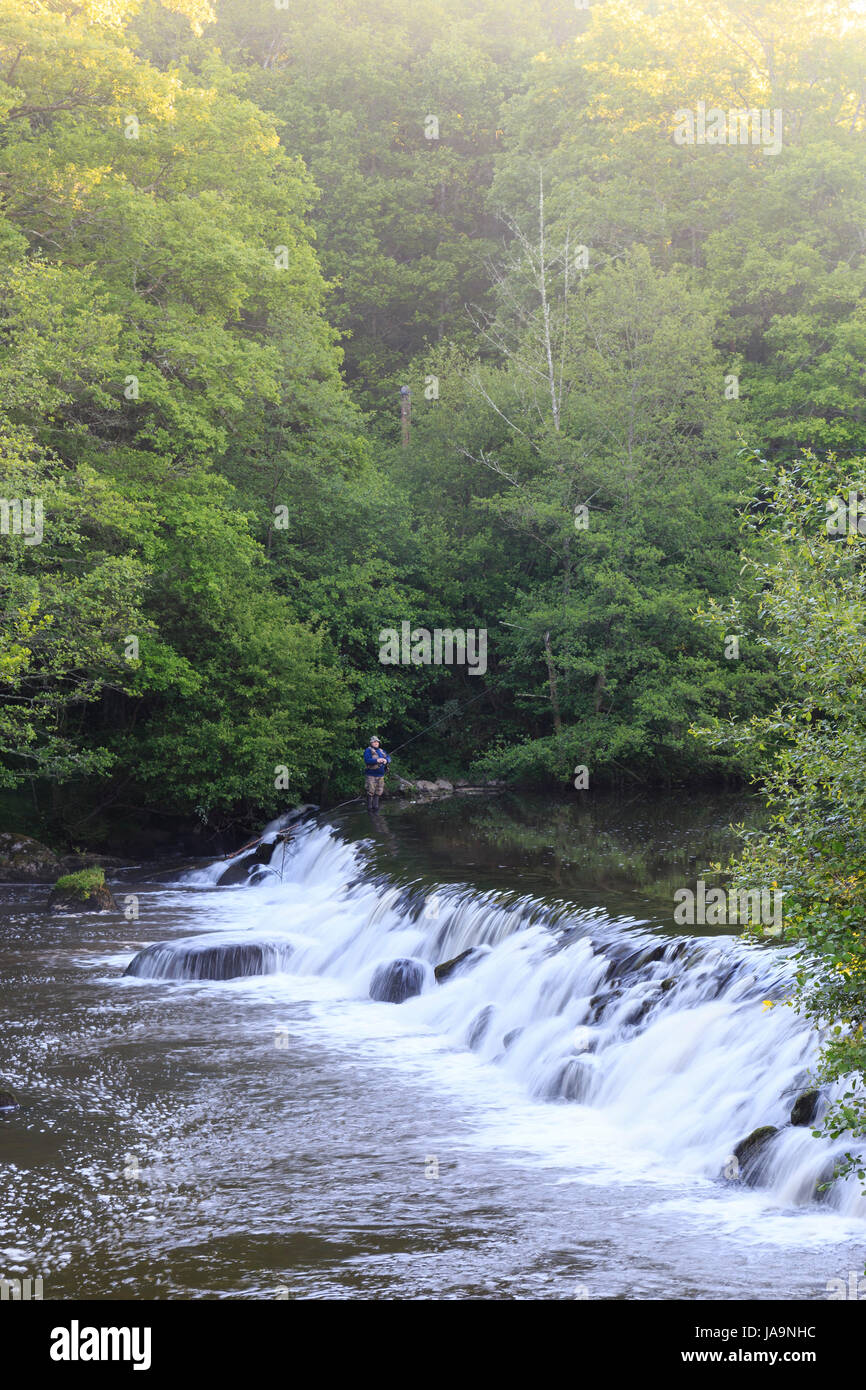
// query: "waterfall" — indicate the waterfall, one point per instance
point(682, 1046)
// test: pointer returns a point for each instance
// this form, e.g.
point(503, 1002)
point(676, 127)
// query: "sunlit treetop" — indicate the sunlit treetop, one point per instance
point(117, 13)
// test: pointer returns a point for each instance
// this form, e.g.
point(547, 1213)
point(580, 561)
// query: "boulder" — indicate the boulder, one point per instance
point(24, 860)
point(428, 788)
point(750, 1151)
point(7, 1102)
point(805, 1108)
point(238, 871)
point(444, 785)
point(446, 969)
point(85, 891)
point(195, 960)
point(244, 865)
point(399, 980)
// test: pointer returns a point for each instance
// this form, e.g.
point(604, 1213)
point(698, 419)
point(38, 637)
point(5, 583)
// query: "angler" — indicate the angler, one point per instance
point(376, 761)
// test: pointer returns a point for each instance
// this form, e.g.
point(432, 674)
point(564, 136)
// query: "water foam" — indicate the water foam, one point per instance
point(615, 1042)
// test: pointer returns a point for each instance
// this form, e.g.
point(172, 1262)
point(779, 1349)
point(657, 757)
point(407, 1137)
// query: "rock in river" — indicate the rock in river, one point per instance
point(201, 960)
point(85, 891)
point(750, 1152)
point(23, 860)
point(805, 1108)
point(447, 968)
point(398, 980)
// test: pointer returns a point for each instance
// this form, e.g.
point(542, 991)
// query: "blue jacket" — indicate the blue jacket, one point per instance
point(370, 756)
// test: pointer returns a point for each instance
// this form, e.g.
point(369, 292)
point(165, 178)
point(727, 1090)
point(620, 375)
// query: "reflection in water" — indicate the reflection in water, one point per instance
point(633, 852)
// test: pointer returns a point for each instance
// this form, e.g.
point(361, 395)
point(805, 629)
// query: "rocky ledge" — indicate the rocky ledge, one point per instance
point(25, 860)
point(403, 786)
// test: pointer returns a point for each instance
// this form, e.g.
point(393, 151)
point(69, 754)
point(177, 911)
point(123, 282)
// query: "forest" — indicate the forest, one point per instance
point(486, 375)
point(229, 237)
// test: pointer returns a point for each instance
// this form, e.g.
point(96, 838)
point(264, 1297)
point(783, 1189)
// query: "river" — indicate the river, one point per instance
point(554, 1120)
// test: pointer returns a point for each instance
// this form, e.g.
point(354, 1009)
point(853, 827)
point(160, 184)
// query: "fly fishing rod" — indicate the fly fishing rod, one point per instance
point(460, 710)
point(426, 730)
point(438, 721)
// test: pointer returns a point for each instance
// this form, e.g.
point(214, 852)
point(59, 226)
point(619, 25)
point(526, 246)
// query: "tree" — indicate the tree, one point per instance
point(809, 571)
point(161, 322)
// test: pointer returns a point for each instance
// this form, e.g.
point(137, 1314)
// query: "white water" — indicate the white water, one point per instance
point(591, 1085)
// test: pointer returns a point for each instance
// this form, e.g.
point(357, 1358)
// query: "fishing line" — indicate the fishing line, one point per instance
point(438, 721)
point(353, 799)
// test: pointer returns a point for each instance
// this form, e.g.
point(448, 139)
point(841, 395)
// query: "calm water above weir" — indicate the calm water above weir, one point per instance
point(553, 1120)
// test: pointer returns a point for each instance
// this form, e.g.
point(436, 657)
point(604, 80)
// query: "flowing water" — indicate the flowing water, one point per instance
point(556, 1118)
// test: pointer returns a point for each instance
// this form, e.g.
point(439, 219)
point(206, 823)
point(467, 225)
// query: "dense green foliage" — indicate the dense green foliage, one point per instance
point(150, 343)
point(809, 574)
point(229, 232)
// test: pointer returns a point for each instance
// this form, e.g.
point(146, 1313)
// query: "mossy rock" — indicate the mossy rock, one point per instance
point(447, 968)
point(805, 1108)
point(750, 1152)
point(85, 891)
